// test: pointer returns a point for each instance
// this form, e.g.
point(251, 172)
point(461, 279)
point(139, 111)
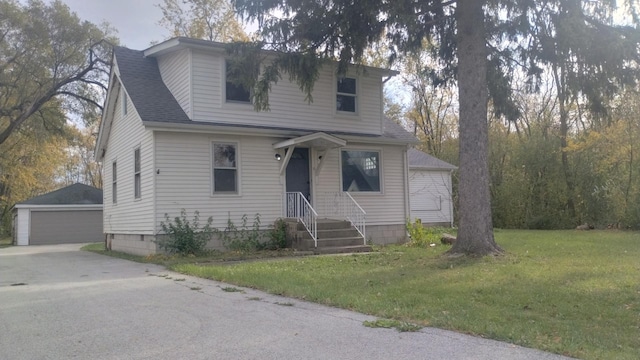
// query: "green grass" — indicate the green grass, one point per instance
point(569, 292)
point(210, 257)
point(5, 242)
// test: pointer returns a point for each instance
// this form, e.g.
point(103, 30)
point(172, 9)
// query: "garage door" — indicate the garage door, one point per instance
point(65, 227)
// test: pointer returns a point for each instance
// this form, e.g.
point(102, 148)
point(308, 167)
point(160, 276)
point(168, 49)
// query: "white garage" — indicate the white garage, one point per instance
point(430, 189)
point(72, 214)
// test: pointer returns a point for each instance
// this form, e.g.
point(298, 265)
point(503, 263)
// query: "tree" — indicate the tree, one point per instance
point(81, 166)
point(30, 159)
point(48, 54)
point(479, 43)
point(212, 20)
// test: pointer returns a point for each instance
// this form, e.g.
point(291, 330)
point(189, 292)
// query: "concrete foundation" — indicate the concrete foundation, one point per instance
point(386, 234)
point(135, 244)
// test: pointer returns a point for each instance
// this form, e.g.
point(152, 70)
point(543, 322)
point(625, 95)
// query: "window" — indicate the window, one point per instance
point(114, 183)
point(136, 174)
point(225, 168)
point(125, 102)
point(360, 171)
point(235, 92)
point(346, 95)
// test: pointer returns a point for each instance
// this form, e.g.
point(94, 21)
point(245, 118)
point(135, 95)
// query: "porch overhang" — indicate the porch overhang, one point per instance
point(318, 140)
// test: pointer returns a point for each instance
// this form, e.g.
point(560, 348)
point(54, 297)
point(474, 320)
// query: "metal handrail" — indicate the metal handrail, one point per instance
point(298, 207)
point(344, 205)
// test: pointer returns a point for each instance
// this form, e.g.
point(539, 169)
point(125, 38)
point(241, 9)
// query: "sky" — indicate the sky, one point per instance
point(135, 20)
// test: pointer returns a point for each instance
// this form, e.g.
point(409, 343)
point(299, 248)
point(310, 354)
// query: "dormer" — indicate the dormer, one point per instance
point(195, 72)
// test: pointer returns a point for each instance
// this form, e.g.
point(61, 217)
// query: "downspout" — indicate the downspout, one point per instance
point(407, 209)
point(451, 197)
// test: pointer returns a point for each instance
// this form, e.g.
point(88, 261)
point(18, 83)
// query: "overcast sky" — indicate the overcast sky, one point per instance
point(135, 20)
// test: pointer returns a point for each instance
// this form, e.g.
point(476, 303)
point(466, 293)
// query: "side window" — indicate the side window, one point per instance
point(114, 182)
point(360, 171)
point(346, 95)
point(235, 92)
point(225, 168)
point(137, 192)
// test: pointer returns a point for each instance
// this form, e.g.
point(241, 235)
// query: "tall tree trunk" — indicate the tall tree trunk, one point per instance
point(563, 96)
point(475, 234)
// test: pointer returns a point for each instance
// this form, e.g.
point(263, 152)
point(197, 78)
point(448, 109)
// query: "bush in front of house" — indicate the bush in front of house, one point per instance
point(424, 236)
point(245, 238)
point(183, 236)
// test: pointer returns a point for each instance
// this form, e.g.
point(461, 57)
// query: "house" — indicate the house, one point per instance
point(430, 189)
point(175, 134)
point(72, 214)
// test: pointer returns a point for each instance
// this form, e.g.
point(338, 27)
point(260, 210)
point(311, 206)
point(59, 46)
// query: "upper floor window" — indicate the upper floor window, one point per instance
point(137, 185)
point(114, 183)
point(225, 168)
point(360, 171)
point(346, 96)
point(235, 92)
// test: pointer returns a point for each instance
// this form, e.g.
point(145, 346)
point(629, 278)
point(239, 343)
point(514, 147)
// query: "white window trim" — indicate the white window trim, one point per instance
point(114, 182)
point(380, 170)
point(238, 191)
point(248, 105)
point(139, 172)
point(346, 114)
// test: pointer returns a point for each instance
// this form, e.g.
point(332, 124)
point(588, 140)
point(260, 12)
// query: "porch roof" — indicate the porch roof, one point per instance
point(317, 140)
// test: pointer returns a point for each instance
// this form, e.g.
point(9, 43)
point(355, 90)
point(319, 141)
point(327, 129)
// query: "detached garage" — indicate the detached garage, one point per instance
point(430, 190)
point(69, 215)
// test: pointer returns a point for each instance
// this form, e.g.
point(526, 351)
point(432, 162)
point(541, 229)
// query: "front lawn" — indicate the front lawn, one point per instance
point(5, 242)
point(569, 292)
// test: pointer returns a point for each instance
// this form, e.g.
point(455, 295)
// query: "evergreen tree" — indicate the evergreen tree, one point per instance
point(479, 43)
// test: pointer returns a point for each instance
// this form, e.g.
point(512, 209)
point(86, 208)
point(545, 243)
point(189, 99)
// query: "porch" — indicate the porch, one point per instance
point(337, 226)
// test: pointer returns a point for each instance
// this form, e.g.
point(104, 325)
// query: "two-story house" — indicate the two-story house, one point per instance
point(175, 134)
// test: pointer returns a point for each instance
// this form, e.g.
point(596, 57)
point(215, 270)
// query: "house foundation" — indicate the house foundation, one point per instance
point(386, 234)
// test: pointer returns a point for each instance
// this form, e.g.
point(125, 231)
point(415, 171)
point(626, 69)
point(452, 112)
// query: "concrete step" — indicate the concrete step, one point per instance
point(332, 242)
point(330, 234)
point(342, 249)
point(328, 224)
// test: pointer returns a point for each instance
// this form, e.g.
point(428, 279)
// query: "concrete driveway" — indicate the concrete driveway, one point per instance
point(60, 303)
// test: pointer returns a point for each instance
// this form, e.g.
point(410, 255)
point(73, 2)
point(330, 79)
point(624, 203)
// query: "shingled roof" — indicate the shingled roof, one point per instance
point(155, 103)
point(421, 160)
point(143, 82)
point(76, 194)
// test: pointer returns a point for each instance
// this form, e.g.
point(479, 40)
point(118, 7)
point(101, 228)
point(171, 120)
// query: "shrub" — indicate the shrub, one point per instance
point(242, 238)
point(184, 237)
point(421, 236)
point(277, 236)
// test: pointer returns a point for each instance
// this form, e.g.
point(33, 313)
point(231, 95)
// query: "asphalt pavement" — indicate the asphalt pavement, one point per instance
point(57, 302)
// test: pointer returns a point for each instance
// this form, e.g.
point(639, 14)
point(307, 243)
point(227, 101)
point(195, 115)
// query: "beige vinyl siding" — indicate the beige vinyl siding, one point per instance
point(175, 69)
point(430, 194)
point(288, 106)
point(185, 172)
point(128, 215)
point(207, 86)
point(386, 207)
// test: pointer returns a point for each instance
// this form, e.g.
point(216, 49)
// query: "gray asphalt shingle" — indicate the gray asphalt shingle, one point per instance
point(422, 160)
point(76, 194)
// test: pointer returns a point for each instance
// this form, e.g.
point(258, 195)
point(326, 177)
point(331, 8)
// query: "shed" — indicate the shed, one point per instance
point(72, 214)
point(430, 191)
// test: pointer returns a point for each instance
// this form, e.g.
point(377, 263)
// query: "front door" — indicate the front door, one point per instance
point(297, 176)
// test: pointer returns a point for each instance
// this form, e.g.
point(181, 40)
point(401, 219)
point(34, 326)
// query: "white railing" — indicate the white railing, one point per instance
point(298, 207)
point(342, 204)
